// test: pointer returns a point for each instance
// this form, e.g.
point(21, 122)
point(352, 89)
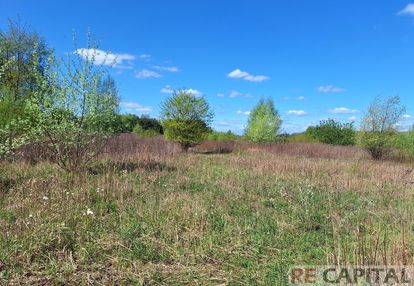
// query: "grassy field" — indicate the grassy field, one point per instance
point(241, 218)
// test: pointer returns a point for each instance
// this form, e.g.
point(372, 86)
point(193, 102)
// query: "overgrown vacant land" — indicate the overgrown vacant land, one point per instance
point(158, 217)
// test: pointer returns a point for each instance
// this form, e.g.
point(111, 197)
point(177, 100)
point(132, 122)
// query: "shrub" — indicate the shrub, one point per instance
point(299, 138)
point(185, 118)
point(378, 144)
point(222, 136)
point(148, 123)
point(140, 131)
point(15, 125)
point(124, 123)
point(187, 133)
point(75, 108)
point(404, 142)
point(333, 132)
point(378, 126)
point(264, 122)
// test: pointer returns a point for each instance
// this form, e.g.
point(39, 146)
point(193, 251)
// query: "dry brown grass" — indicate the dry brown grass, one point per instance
point(162, 217)
point(308, 150)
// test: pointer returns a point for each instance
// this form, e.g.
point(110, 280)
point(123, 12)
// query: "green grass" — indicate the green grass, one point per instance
point(199, 220)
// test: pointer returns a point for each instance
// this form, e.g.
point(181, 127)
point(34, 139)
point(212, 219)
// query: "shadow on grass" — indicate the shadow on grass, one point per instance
point(129, 167)
point(6, 184)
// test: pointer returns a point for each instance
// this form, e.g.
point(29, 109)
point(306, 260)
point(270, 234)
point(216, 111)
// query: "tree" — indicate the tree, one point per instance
point(222, 136)
point(264, 122)
point(333, 132)
point(23, 58)
point(74, 108)
point(382, 115)
point(378, 126)
point(185, 118)
point(140, 131)
point(18, 67)
point(148, 123)
point(15, 125)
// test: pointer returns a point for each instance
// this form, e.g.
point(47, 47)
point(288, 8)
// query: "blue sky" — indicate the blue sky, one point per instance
point(316, 59)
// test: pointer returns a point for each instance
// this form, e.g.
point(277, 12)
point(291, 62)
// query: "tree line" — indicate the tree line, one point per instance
point(71, 105)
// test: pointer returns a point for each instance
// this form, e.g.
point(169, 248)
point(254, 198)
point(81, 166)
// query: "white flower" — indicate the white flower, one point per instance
point(89, 212)
point(30, 215)
point(45, 198)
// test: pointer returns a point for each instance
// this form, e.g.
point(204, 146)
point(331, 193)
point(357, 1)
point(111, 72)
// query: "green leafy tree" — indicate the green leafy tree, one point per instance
point(405, 142)
point(128, 122)
point(148, 123)
point(140, 131)
point(19, 68)
point(125, 123)
point(23, 58)
point(378, 131)
point(333, 132)
point(264, 122)
point(186, 118)
point(15, 125)
point(222, 136)
point(74, 108)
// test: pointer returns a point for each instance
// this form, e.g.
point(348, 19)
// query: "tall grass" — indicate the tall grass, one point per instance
point(147, 214)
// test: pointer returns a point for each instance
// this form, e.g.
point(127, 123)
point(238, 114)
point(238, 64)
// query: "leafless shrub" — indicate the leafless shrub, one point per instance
point(131, 146)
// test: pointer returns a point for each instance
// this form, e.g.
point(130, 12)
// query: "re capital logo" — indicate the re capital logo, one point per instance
point(351, 275)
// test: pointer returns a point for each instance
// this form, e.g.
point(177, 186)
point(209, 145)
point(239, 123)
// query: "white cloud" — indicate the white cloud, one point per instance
point(136, 107)
point(297, 112)
point(167, 89)
point(243, 112)
point(223, 123)
point(100, 57)
point(352, 118)
point(145, 74)
point(239, 74)
point(193, 91)
point(300, 98)
point(220, 94)
point(402, 127)
point(329, 89)
point(407, 116)
point(343, 110)
point(408, 10)
point(235, 93)
point(145, 57)
point(163, 68)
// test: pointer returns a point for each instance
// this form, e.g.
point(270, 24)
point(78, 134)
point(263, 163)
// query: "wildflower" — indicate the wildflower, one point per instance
point(45, 198)
point(89, 212)
point(30, 215)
